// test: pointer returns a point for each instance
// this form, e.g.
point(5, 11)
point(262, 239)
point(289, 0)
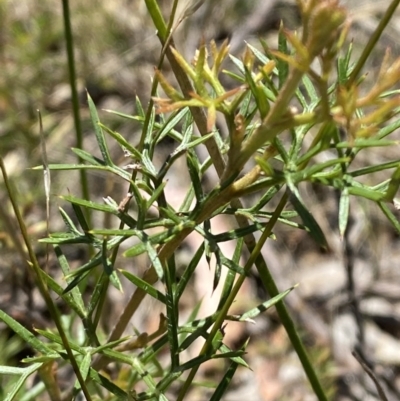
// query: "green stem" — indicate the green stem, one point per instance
point(288, 324)
point(373, 41)
point(34, 265)
point(74, 94)
point(232, 295)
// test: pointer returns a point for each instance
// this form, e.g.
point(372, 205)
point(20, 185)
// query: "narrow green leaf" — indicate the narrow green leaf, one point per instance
point(230, 354)
point(93, 262)
point(115, 281)
point(310, 88)
point(281, 65)
point(172, 307)
point(307, 218)
point(318, 170)
point(199, 141)
point(81, 219)
point(155, 261)
point(391, 217)
point(84, 368)
point(149, 144)
point(69, 300)
point(239, 64)
point(388, 129)
point(235, 77)
point(55, 338)
point(199, 69)
point(66, 167)
point(139, 108)
point(194, 172)
point(118, 356)
point(156, 194)
point(10, 370)
point(116, 231)
point(101, 141)
point(231, 275)
point(25, 334)
point(232, 265)
point(260, 56)
point(139, 118)
point(156, 239)
point(108, 385)
point(171, 123)
point(135, 250)
point(88, 204)
point(146, 287)
point(193, 363)
point(27, 372)
point(41, 358)
point(33, 392)
point(375, 168)
point(365, 143)
point(238, 232)
point(218, 268)
point(366, 193)
point(188, 272)
point(169, 213)
point(237, 359)
point(251, 314)
point(224, 382)
point(169, 161)
point(343, 67)
point(109, 268)
point(67, 239)
point(88, 157)
point(109, 345)
point(146, 377)
point(258, 93)
point(69, 223)
point(123, 142)
point(197, 329)
point(266, 167)
point(72, 284)
point(393, 185)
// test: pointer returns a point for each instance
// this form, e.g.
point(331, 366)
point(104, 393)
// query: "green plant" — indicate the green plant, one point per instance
point(279, 99)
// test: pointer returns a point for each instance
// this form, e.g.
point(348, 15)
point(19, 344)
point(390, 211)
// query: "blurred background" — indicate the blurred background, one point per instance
point(116, 49)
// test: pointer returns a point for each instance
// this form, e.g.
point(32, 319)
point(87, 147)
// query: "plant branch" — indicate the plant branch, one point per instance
point(74, 93)
point(373, 41)
point(34, 265)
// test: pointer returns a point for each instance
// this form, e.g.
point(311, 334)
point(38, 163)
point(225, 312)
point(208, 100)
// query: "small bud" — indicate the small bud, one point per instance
point(324, 25)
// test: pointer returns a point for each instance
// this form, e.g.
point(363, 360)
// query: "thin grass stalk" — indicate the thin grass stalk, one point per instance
point(74, 94)
point(34, 265)
point(270, 285)
point(373, 40)
point(172, 16)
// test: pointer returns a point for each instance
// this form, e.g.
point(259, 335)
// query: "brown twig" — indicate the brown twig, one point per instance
point(371, 374)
